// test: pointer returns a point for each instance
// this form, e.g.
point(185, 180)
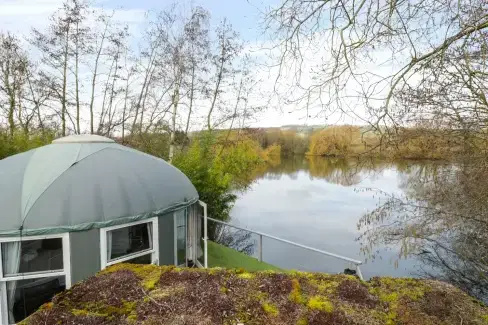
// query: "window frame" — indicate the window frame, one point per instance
point(154, 251)
point(66, 271)
point(175, 237)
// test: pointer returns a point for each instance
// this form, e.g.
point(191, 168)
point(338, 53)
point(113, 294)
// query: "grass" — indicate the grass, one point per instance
point(221, 256)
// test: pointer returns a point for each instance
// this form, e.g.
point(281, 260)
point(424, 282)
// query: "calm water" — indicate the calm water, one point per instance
point(318, 203)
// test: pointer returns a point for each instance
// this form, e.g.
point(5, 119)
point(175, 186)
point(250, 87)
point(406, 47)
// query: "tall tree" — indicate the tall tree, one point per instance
point(198, 49)
point(13, 68)
point(56, 48)
point(96, 47)
point(228, 48)
point(351, 55)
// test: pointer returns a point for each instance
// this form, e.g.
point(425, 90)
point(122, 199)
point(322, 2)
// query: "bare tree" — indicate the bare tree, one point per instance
point(97, 46)
point(13, 69)
point(78, 13)
point(55, 47)
point(197, 36)
point(366, 52)
point(187, 45)
point(148, 65)
point(228, 48)
point(441, 219)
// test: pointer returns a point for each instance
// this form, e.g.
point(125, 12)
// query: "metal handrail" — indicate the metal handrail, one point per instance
point(261, 235)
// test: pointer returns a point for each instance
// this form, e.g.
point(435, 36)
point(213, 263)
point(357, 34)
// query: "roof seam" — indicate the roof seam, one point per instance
point(33, 203)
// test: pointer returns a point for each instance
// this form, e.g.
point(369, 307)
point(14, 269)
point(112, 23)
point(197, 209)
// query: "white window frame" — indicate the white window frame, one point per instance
point(154, 251)
point(205, 234)
point(66, 271)
point(175, 237)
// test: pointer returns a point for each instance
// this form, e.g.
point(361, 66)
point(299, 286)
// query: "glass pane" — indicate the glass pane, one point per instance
point(32, 256)
point(145, 259)
point(181, 237)
point(200, 233)
point(129, 240)
point(25, 296)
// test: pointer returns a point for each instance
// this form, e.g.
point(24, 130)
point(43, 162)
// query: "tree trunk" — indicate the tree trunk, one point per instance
point(192, 91)
point(103, 112)
point(216, 91)
point(11, 97)
point(125, 108)
point(141, 95)
point(94, 79)
point(77, 89)
point(176, 98)
point(112, 95)
point(65, 80)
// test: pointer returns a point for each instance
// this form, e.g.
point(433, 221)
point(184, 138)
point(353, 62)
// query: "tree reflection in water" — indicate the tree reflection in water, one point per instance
point(342, 171)
point(442, 218)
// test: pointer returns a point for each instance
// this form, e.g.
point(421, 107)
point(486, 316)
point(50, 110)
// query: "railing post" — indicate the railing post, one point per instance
point(260, 248)
point(358, 271)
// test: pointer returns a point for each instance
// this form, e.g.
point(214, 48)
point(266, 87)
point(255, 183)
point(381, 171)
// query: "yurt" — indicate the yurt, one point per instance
point(82, 203)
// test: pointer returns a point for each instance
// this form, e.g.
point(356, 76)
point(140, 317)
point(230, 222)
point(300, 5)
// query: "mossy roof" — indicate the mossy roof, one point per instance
point(150, 295)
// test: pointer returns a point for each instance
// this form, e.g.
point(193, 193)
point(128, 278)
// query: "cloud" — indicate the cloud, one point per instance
point(20, 16)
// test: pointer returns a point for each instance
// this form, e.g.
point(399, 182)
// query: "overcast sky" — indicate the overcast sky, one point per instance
point(20, 16)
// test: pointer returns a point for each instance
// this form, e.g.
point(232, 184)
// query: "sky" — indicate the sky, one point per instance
point(19, 16)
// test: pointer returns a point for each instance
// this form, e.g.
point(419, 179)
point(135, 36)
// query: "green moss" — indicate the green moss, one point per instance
point(402, 287)
point(102, 310)
point(80, 312)
point(166, 291)
point(270, 309)
point(320, 303)
point(347, 309)
point(132, 318)
point(485, 319)
point(296, 294)
point(302, 321)
point(326, 286)
point(148, 273)
point(246, 275)
point(301, 274)
point(390, 318)
point(299, 298)
point(392, 290)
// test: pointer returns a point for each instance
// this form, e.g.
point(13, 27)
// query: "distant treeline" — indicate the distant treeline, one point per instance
point(356, 141)
point(332, 141)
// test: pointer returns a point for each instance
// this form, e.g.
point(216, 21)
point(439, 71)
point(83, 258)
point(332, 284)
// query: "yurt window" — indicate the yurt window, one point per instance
point(135, 242)
point(33, 270)
point(180, 222)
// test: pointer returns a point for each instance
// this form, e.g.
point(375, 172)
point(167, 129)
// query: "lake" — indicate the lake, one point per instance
point(318, 202)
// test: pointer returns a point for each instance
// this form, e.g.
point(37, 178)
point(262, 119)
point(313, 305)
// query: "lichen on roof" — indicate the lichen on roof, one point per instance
point(150, 295)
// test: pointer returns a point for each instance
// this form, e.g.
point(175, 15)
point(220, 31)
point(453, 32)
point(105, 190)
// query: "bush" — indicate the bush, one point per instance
point(337, 141)
point(21, 141)
point(218, 170)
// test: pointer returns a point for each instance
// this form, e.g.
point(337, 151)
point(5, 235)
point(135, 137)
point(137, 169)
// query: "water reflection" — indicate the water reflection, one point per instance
point(334, 170)
point(402, 218)
point(442, 218)
point(318, 202)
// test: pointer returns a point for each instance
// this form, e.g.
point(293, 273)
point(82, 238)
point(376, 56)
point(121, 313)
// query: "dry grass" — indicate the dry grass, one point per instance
point(150, 295)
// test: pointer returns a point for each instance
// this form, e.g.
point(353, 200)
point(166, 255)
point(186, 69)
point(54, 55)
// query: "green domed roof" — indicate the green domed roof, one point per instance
point(85, 181)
